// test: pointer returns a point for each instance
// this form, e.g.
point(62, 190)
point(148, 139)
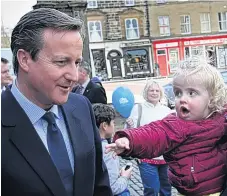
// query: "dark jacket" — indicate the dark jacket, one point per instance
point(95, 93)
point(27, 168)
point(196, 159)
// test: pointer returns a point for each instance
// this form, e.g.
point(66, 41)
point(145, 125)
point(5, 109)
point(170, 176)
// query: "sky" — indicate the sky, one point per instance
point(13, 10)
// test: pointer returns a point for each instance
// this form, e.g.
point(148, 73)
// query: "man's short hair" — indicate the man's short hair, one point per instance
point(3, 60)
point(103, 113)
point(85, 66)
point(28, 33)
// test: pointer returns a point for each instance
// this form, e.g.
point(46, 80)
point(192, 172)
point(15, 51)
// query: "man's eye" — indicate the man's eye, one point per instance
point(78, 63)
point(61, 63)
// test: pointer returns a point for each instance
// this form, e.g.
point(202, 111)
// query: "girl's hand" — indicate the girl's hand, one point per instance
point(119, 146)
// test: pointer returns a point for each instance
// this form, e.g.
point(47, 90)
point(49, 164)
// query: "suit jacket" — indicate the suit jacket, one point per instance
point(27, 168)
point(95, 93)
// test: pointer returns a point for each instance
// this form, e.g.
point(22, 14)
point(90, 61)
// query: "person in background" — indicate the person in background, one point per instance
point(104, 116)
point(50, 145)
point(6, 78)
point(192, 140)
point(96, 80)
point(94, 92)
point(153, 171)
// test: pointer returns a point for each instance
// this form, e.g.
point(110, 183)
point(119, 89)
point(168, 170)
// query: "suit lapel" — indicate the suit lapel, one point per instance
point(88, 87)
point(28, 142)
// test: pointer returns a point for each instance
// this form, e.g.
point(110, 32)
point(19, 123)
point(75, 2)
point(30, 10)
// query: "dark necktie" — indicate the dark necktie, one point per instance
point(58, 152)
point(80, 90)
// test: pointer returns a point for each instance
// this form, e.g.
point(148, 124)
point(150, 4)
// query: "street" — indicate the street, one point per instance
point(135, 184)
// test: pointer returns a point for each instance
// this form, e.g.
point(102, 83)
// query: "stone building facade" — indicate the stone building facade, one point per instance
point(119, 38)
point(181, 29)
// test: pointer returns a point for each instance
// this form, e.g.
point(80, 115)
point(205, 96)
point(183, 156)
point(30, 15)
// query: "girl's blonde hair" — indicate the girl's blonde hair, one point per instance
point(201, 68)
point(148, 85)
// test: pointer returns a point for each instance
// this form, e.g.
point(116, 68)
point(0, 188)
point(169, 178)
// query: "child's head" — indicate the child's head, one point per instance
point(199, 89)
point(104, 116)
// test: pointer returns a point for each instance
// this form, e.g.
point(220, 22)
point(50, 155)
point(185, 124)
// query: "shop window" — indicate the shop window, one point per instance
point(92, 4)
point(132, 28)
point(164, 27)
point(222, 17)
point(222, 56)
point(136, 60)
point(129, 2)
point(161, 52)
point(173, 59)
point(100, 63)
point(185, 24)
point(187, 52)
point(194, 51)
point(205, 22)
point(197, 51)
point(95, 31)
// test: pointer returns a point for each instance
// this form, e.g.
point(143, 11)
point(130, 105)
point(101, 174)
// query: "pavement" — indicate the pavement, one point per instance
point(135, 184)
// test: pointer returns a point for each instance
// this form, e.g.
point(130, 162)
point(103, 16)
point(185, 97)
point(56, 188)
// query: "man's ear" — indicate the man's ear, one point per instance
point(23, 58)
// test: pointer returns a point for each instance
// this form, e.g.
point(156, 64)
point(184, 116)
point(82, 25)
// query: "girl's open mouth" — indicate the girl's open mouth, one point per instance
point(184, 110)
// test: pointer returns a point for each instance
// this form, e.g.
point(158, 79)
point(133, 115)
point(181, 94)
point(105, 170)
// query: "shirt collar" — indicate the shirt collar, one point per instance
point(33, 111)
point(151, 104)
point(84, 85)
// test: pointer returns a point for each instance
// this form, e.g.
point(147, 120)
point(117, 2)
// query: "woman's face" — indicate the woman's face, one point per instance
point(154, 94)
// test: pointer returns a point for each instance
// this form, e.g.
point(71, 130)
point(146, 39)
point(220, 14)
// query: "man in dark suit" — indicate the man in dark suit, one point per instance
point(94, 92)
point(50, 143)
point(6, 78)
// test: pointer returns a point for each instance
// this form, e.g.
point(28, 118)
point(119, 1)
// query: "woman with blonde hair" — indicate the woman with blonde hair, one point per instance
point(153, 171)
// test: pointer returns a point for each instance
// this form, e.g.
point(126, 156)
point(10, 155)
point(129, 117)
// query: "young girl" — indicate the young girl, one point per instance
point(192, 139)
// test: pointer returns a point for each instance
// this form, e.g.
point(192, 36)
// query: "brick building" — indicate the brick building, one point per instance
point(180, 29)
point(119, 38)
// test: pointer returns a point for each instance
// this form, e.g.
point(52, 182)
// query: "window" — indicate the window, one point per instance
point(132, 29)
point(185, 26)
point(205, 22)
point(161, 52)
point(164, 27)
point(92, 4)
point(137, 61)
point(129, 2)
point(95, 31)
point(222, 57)
point(222, 17)
point(194, 51)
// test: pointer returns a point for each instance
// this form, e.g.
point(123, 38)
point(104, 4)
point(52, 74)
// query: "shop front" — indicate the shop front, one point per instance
point(137, 59)
point(167, 53)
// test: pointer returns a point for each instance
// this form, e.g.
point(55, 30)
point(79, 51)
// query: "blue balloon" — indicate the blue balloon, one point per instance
point(123, 101)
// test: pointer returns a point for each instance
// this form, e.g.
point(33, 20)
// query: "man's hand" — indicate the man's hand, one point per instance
point(119, 146)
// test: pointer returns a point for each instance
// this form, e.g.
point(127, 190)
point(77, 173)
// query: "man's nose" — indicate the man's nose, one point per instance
point(72, 73)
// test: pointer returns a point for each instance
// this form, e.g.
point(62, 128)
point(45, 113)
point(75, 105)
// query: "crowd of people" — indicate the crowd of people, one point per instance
point(57, 125)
